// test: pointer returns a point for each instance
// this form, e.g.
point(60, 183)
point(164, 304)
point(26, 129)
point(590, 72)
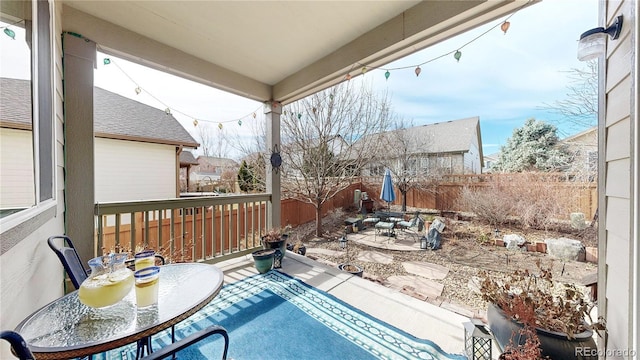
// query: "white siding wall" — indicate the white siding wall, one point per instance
point(472, 161)
point(16, 155)
point(128, 170)
point(30, 274)
point(618, 237)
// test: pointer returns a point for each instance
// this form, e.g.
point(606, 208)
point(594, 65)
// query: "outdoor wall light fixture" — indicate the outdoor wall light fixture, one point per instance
point(592, 42)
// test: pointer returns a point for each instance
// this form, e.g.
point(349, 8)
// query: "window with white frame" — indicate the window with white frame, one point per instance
point(26, 115)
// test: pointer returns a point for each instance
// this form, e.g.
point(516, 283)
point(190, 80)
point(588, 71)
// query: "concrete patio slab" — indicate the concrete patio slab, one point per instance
point(425, 269)
point(328, 252)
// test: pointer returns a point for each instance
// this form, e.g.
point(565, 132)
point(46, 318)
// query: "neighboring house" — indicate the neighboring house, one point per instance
point(583, 148)
point(489, 161)
point(136, 148)
point(451, 147)
point(186, 161)
point(208, 173)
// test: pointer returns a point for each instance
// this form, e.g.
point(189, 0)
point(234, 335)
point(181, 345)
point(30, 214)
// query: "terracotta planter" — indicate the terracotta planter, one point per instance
point(499, 242)
point(553, 344)
point(532, 248)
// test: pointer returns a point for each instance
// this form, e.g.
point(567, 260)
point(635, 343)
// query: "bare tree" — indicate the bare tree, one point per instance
point(213, 141)
point(318, 136)
point(580, 107)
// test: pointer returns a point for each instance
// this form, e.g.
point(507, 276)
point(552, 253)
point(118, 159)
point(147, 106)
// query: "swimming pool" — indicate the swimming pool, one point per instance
point(275, 316)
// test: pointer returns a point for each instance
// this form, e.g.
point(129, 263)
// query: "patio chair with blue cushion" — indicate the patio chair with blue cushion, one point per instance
point(21, 350)
point(78, 273)
point(413, 227)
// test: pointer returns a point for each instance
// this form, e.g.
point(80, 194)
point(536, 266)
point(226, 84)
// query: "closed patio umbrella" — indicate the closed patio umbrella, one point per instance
point(386, 193)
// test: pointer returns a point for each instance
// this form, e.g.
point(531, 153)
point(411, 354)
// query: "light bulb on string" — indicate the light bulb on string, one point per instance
point(299, 116)
point(457, 55)
point(386, 75)
point(167, 111)
point(505, 26)
point(254, 115)
point(220, 126)
point(10, 33)
point(418, 71)
point(138, 90)
point(348, 77)
point(364, 70)
point(106, 61)
point(195, 122)
point(240, 122)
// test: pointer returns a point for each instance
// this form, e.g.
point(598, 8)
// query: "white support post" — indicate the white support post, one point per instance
point(272, 111)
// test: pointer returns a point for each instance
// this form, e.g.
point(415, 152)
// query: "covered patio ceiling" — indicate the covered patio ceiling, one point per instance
point(273, 50)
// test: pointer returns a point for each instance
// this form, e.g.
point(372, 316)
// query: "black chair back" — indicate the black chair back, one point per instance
point(18, 345)
point(69, 258)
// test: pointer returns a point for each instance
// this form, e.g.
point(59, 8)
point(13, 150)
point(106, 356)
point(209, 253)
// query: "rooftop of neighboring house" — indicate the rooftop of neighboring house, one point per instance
point(211, 161)
point(452, 136)
point(115, 116)
point(187, 158)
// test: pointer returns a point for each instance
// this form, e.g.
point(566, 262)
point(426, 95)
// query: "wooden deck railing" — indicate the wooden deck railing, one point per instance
point(183, 229)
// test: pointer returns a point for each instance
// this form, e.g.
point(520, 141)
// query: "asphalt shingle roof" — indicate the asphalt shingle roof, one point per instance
point(115, 116)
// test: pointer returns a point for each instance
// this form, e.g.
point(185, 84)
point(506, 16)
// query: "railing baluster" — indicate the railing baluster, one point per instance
point(203, 234)
point(213, 231)
point(117, 231)
point(183, 220)
point(172, 233)
point(132, 239)
point(230, 228)
point(146, 230)
point(160, 217)
point(222, 207)
point(194, 218)
point(246, 226)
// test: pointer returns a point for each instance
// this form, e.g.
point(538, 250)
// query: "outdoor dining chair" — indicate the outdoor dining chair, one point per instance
point(413, 227)
point(20, 348)
point(18, 345)
point(78, 273)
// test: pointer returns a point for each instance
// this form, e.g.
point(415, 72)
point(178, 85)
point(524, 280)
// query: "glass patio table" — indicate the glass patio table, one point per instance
point(66, 328)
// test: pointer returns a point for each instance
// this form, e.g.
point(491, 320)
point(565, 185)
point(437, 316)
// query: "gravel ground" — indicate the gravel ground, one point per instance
point(467, 248)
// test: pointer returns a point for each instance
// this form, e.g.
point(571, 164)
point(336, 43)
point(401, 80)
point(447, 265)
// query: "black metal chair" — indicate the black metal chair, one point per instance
point(20, 348)
point(69, 258)
point(172, 349)
point(18, 345)
point(77, 274)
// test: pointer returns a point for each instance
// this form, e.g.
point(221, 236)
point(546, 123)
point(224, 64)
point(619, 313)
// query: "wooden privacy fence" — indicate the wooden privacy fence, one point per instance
point(444, 194)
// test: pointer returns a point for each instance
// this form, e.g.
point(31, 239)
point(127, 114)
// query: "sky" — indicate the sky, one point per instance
point(502, 78)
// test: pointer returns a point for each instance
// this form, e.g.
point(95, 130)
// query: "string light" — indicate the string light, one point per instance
point(169, 110)
point(7, 30)
point(505, 26)
point(457, 54)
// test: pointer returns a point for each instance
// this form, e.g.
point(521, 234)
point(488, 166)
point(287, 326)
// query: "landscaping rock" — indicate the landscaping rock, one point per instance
point(566, 249)
point(438, 225)
point(513, 241)
point(578, 221)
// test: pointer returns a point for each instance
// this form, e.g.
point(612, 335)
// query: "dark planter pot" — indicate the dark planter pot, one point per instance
point(352, 269)
point(282, 244)
point(263, 260)
point(301, 250)
point(553, 344)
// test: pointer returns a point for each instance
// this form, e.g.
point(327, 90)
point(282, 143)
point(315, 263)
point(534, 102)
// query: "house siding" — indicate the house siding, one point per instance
point(148, 173)
point(30, 258)
point(618, 176)
point(16, 154)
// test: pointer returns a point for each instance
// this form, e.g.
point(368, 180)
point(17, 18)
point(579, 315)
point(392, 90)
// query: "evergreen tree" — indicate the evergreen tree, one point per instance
point(533, 147)
point(246, 180)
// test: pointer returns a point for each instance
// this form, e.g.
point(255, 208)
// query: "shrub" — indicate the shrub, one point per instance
point(490, 204)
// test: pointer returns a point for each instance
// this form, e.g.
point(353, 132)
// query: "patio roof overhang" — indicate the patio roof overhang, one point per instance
point(280, 51)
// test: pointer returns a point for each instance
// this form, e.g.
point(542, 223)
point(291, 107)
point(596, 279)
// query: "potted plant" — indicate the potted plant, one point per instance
point(297, 247)
point(263, 259)
point(533, 317)
point(276, 238)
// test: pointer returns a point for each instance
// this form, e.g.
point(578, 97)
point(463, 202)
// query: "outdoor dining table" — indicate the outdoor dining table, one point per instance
point(66, 328)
